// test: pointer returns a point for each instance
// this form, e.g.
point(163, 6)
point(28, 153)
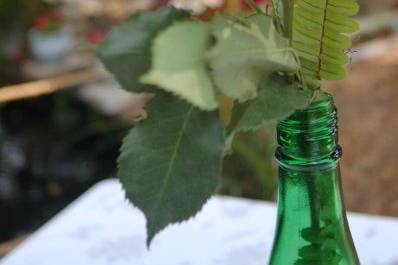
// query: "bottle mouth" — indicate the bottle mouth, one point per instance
point(317, 112)
point(309, 136)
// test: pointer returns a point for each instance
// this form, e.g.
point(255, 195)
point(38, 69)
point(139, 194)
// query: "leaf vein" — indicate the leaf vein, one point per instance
point(173, 157)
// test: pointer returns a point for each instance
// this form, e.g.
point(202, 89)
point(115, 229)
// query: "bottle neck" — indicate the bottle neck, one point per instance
point(308, 156)
point(308, 138)
point(311, 213)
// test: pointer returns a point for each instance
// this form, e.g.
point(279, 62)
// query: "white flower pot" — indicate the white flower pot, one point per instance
point(52, 45)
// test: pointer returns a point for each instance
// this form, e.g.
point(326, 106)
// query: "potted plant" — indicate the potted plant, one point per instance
point(213, 79)
point(49, 39)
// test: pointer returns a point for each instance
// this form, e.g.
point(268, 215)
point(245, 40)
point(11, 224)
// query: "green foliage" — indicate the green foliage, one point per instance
point(245, 53)
point(15, 19)
point(276, 100)
point(170, 163)
point(126, 52)
point(179, 64)
point(317, 37)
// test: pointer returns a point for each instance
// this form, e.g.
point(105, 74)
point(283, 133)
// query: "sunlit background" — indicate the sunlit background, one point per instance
point(62, 117)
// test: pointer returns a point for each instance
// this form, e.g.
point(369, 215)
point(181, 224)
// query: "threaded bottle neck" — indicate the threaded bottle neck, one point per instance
point(308, 137)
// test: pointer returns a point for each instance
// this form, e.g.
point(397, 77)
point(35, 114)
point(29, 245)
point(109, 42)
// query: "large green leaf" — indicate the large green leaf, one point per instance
point(276, 100)
point(247, 51)
point(170, 163)
point(317, 36)
point(126, 52)
point(179, 64)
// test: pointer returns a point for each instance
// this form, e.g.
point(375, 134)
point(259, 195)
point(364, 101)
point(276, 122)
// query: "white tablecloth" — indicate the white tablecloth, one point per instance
point(102, 228)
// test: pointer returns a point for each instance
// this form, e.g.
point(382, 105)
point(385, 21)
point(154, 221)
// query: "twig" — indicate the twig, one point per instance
point(49, 85)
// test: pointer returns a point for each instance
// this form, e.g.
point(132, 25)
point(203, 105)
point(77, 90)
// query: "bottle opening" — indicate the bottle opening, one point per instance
point(309, 137)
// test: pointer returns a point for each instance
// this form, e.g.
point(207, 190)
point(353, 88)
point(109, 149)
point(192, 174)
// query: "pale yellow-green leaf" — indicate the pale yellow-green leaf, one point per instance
point(179, 64)
point(246, 52)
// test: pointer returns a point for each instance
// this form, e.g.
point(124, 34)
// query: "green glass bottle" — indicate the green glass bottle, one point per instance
point(312, 227)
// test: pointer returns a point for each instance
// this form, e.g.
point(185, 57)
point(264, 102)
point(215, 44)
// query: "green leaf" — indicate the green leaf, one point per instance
point(179, 64)
point(276, 100)
point(318, 37)
point(245, 53)
point(126, 51)
point(170, 163)
point(283, 15)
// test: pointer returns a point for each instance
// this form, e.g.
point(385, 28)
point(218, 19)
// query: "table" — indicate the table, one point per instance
point(101, 228)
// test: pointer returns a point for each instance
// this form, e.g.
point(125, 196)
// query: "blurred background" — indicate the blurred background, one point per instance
point(62, 118)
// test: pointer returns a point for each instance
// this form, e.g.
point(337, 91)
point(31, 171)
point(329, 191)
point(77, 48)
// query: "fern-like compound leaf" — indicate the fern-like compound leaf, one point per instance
point(319, 37)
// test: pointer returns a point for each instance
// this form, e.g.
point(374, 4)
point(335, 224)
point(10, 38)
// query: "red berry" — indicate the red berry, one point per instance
point(41, 22)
